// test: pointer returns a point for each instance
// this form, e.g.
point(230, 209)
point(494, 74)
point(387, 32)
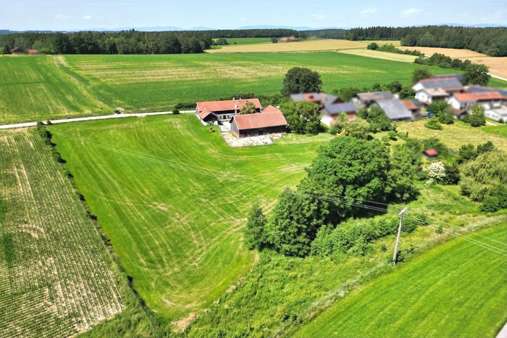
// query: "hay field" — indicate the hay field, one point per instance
point(497, 65)
point(173, 199)
point(298, 46)
point(458, 289)
point(380, 55)
point(57, 278)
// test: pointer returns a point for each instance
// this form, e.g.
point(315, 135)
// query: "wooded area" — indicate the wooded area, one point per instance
point(491, 41)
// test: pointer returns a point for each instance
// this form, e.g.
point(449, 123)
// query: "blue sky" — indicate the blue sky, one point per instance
point(113, 14)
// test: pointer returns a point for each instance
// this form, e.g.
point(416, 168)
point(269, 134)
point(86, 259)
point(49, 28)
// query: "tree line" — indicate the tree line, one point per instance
point(126, 42)
point(491, 41)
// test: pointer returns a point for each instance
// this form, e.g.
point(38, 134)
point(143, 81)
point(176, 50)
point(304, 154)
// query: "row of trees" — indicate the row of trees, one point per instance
point(128, 42)
point(491, 41)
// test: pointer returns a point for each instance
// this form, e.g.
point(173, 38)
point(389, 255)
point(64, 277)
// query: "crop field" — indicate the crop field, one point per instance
point(33, 88)
point(56, 275)
point(299, 46)
point(173, 199)
point(497, 65)
point(45, 86)
point(458, 289)
point(380, 55)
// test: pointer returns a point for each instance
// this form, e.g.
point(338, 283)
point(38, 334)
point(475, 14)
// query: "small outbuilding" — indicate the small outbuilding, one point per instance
point(431, 153)
point(333, 111)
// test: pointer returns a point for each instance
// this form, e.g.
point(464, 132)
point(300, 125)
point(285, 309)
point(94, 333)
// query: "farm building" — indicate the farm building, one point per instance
point(269, 121)
point(321, 99)
point(395, 110)
point(437, 88)
point(411, 105)
point(220, 112)
point(333, 111)
point(499, 114)
point(367, 99)
point(488, 100)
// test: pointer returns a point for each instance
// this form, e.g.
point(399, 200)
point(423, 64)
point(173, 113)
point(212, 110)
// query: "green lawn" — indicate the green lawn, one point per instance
point(39, 87)
point(458, 289)
point(500, 130)
point(173, 199)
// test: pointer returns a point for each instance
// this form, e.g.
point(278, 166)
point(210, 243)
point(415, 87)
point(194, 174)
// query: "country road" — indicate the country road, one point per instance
point(84, 119)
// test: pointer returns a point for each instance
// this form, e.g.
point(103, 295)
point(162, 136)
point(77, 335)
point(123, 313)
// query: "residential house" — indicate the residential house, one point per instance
point(395, 110)
point(437, 88)
point(333, 111)
point(221, 112)
point(270, 121)
point(488, 100)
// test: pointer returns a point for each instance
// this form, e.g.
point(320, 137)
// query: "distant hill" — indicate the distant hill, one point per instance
point(5, 32)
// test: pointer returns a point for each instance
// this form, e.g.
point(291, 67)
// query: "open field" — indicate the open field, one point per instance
point(380, 55)
point(497, 65)
point(457, 134)
point(173, 199)
point(56, 275)
point(299, 46)
point(247, 41)
point(37, 88)
point(458, 289)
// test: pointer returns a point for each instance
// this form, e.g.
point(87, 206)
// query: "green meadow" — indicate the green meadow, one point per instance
point(173, 198)
point(41, 87)
point(247, 41)
point(458, 289)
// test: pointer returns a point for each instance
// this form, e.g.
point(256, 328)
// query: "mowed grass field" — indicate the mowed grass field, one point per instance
point(247, 41)
point(173, 198)
point(40, 87)
point(57, 278)
point(458, 289)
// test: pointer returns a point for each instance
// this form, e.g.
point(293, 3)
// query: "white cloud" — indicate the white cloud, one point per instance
point(61, 17)
point(87, 17)
point(368, 11)
point(410, 12)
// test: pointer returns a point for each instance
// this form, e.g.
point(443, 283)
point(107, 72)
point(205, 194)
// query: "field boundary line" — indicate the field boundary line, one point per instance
point(86, 119)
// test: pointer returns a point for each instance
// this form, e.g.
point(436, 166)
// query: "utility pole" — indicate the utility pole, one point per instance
point(396, 246)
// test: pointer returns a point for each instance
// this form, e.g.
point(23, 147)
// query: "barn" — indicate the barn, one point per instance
point(220, 112)
point(269, 121)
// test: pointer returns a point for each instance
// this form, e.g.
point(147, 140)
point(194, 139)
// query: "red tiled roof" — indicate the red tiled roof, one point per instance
point(208, 107)
point(270, 117)
point(479, 96)
point(409, 104)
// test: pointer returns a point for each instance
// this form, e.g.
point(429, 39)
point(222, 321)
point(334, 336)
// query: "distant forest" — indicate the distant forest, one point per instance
point(491, 41)
point(126, 42)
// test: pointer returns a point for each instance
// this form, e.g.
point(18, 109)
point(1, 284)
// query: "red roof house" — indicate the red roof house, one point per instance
point(269, 121)
point(223, 111)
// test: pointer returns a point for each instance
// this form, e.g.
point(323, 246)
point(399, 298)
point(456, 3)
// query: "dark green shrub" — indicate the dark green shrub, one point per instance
point(433, 124)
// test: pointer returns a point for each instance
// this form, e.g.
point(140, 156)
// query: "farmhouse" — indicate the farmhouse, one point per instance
point(412, 106)
point(488, 100)
point(269, 121)
point(333, 111)
point(395, 110)
point(220, 112)
point(437, 88)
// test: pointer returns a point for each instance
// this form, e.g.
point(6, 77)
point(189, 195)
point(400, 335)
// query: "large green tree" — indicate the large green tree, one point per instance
point(301, 80)
point(302, 117)
point(477, 74)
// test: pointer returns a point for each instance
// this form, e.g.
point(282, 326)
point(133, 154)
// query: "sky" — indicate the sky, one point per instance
point(191, 14)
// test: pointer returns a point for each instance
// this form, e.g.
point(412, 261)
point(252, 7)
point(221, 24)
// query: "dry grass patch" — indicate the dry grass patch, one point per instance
point(380, 55)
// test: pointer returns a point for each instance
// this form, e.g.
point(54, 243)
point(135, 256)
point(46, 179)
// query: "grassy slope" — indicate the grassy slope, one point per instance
point(172, 198)
point(56, 275)
point(57, 86)
point(457, 289)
